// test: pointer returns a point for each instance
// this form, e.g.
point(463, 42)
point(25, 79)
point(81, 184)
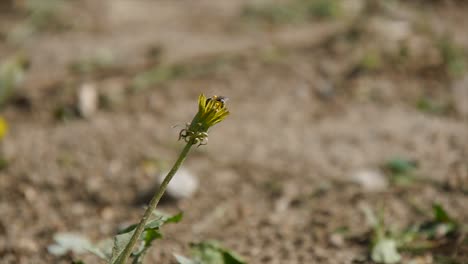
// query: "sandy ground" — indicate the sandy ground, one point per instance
point(312, 103)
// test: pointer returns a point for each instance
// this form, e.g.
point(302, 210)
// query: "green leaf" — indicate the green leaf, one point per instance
point(232, 258)
point(103, 249)
point(385, 251)
point(127, 229)
point(401, 170)
point(210, 252)
point(431, 106)
point(175, 218)
point(120, 242)
point(184, 260)
point(440, 215)
point(151, 232)
point(150, 235)
point(442, 224)
point(401, 165)
point(147, 239)
point(207, 253)
point(162, 219)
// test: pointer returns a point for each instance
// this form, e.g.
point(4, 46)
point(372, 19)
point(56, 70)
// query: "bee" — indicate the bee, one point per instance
point(221, 99)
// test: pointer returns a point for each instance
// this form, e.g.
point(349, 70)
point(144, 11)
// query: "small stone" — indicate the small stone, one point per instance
point(115, 166)
point(282, 204)
point(30, 193)
point(87, 100)
point(183, 185)
point(337, 240)
point(460, 96)
point(370, 180)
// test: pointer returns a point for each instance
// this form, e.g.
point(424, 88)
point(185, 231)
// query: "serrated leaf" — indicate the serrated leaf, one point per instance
point(120, 242)
point(150, 233)
point(175, 218)
point(165, 219)
point(103, 249)
point(385, 251)
point(162, 219)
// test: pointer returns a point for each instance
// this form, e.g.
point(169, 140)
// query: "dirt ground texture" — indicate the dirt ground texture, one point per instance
point(314, 101)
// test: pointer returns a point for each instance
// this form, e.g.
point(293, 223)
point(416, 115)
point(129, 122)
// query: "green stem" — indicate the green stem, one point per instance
point(153, 203)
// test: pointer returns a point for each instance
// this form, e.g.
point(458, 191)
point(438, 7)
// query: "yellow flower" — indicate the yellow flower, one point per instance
point(210, 112)
point(3, 127)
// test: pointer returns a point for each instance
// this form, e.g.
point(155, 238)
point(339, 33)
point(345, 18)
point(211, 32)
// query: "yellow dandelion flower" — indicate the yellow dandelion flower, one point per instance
point(210, 112)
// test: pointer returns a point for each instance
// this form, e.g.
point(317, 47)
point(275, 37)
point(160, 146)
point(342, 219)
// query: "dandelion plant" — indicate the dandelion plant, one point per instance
point(211, 111)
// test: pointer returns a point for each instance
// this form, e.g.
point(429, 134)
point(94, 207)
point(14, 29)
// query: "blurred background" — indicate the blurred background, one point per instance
point(348, 133)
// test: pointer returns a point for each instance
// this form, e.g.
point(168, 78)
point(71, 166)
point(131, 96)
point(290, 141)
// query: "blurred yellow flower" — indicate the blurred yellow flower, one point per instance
point(3, 127)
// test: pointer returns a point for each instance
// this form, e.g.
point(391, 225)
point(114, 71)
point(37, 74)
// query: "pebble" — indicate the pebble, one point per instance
point(183, 185)
point(371, 180)
point(337, 240)
point(87, 100)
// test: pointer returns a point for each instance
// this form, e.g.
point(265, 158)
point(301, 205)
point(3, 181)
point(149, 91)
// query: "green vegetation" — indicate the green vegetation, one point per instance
point(453, 57)
point(433, 234)
point(401, 170)
point(431, 106)
point(41, 15)
point(12, 72)
point(294, 11)
point(371, 61)
point(44, 13)
point(163, 73)
point(210, 252)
